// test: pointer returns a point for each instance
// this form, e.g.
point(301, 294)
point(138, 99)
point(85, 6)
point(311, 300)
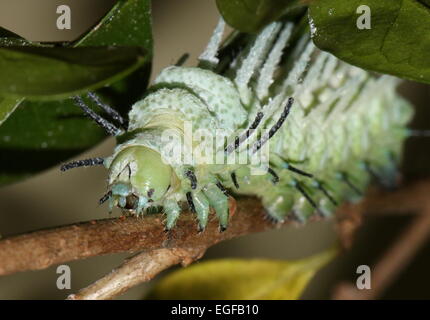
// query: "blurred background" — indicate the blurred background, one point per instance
point(53, 198)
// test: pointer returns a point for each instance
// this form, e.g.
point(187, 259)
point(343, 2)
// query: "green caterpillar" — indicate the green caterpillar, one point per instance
point(302, 136)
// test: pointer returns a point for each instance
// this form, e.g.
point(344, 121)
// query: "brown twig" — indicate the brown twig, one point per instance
point(140, 268)
point(414, 198)
point(146, 265)
point(41, 249)
point(392, 263)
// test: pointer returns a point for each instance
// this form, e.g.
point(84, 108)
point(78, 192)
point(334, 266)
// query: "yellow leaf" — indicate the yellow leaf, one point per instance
point(241, 279)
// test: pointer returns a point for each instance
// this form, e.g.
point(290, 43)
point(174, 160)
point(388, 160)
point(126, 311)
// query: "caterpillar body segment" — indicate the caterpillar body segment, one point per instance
point(321, 128)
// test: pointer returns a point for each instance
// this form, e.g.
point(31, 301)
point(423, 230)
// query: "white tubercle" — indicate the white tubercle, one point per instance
point(300, 66)
point(211, 51)
point(266, 75)
point(256, 56)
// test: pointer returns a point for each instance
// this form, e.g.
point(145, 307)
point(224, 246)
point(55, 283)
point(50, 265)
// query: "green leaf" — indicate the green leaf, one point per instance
point(8, 38)
point(39, 134)
point(251, 15)
point(127, 24)
point(42, 133)
point(241, 279)
point(60, 72)
point(398, 42)
point(7, 106)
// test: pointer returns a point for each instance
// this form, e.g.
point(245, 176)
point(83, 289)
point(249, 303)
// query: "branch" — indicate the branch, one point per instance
point(140, 268)
point(41, 249)
point(412, 198)
point(393, 262)
point(146, 265)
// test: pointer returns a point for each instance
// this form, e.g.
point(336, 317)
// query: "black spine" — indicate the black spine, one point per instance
point(82, 163)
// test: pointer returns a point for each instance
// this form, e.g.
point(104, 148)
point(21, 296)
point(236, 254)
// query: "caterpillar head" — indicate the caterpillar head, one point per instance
point(138, 178)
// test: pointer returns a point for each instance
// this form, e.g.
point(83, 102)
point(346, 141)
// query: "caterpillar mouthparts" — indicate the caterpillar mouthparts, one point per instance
point(303, 133)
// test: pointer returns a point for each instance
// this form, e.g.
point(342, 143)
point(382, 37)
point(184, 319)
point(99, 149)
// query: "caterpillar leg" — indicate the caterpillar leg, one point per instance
point(323, 196)
point(219, 201)
point(172, 211)
point(201, 207)
point(278, 205)
point(346, 178)
point(384, 176)
point(320, 186)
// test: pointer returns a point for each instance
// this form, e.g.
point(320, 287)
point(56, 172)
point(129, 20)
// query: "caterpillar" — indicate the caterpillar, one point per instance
point(302, 134)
